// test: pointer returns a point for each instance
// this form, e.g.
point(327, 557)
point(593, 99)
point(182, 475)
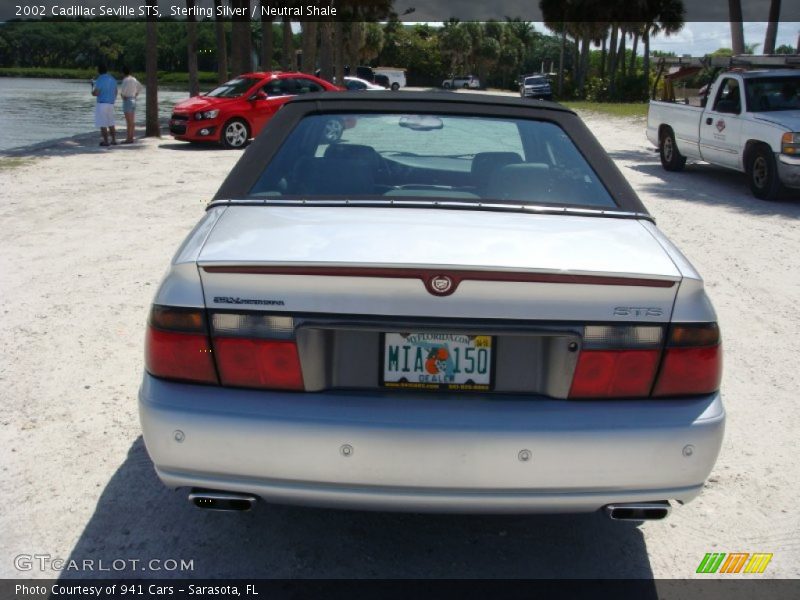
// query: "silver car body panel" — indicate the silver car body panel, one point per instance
point(181, 286)
point(430, 452)
point(436, 240)
point(692, 304)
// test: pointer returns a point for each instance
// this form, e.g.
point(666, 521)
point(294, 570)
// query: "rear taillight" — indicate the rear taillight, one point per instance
point(627, 361)
point(257, 351)
point(692, 361)
point(617, 361)
point(177, 345)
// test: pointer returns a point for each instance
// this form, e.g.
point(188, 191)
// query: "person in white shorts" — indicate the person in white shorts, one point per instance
point(105, 89)
point(129, 90)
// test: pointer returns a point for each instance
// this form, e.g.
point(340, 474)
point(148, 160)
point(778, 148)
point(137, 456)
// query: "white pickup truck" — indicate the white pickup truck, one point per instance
point(749, 121)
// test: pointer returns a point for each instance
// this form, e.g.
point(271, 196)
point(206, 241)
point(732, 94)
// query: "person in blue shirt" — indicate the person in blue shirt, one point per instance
point(105, 89)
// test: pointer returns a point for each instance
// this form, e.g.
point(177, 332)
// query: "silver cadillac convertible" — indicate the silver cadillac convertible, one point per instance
point(460, 305)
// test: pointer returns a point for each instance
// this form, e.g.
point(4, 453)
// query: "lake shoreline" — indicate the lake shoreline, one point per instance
point(164, 77)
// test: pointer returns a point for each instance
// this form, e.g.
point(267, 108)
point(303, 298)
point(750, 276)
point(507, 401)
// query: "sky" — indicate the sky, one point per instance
point(698, 39)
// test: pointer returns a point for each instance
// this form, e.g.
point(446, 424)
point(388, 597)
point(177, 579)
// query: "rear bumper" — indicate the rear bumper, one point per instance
point(537, 94)
point(415, 452)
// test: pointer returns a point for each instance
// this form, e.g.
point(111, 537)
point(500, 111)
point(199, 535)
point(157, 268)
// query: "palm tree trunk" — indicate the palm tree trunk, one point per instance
point(151, 67)
point(326, 50)
point(612, 60)
point(561, 59)
point(632, 66)
point(772, 26)
point(287, 56)
point(241, 42)
point(267, 42)
point(354, 40)
point(623, 34)
point(338, 51)
point(646, 60)
point(310, 46)
point(191, 49)
point(246, 40)
point(236, 48)
point(737, 29)
point(603, 51)
point(222, 44)
point(583, 65)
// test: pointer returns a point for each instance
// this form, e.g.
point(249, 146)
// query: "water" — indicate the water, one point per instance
point(37, 110)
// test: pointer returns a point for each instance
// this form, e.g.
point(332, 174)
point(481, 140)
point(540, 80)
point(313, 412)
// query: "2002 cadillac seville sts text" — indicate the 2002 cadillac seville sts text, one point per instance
point(460, 306)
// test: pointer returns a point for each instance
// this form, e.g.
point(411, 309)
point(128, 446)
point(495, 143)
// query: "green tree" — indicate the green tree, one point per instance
point(456, 44)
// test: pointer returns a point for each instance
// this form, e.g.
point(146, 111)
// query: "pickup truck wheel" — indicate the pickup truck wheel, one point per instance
point(395, 86)
point(671, 159)
point(762, 174)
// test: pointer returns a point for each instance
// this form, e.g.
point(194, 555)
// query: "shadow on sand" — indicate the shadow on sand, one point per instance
point(701, 182)
point(193, 146)
point(137, 517)
point(83, 143)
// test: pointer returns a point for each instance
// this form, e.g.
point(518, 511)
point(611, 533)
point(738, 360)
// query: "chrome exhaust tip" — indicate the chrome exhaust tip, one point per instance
point(638, 511)
point(224, 501)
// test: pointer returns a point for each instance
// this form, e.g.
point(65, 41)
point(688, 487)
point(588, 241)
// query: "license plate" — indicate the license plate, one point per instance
point(437, 361)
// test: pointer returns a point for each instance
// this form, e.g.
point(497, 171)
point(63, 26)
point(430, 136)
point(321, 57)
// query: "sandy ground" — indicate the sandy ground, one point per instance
point(86, 235)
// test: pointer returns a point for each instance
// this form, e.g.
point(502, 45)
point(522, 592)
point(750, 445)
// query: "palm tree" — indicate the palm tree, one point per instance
point(772, 26)
point(662, 16)
point(222, 44)
point(737, 29)
point(373, 43)
point(522, 30)
point(151, 68)
point(310, 30)
point(287, 56)
point(191, 48)
point(266, 39)
point(241, 40)
point(456, 43)
point(563, 17)
point(338, 51)
point(326, 50)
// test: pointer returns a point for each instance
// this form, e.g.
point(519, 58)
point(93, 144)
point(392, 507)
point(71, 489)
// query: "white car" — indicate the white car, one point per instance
point(459, 306)
point(462, 81)
point(395, 75)
point(355, 84)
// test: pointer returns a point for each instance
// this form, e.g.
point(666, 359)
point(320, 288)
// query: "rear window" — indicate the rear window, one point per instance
point(535, 81)
point(436, 157)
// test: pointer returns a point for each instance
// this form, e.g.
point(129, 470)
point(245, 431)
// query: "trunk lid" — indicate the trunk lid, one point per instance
point(380, 261)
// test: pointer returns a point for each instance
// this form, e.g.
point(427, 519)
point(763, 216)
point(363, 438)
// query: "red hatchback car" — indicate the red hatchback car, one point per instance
point(237, 110)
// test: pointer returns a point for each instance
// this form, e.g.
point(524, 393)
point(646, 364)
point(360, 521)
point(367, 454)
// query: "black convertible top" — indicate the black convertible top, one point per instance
point(481, 99)
point(255, 159)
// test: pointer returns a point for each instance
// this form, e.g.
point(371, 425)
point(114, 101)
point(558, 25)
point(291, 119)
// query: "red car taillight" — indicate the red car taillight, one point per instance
point(257, 351)
point(617, 361)
point(622, 361)
point(177, 345)
point(692, 361)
